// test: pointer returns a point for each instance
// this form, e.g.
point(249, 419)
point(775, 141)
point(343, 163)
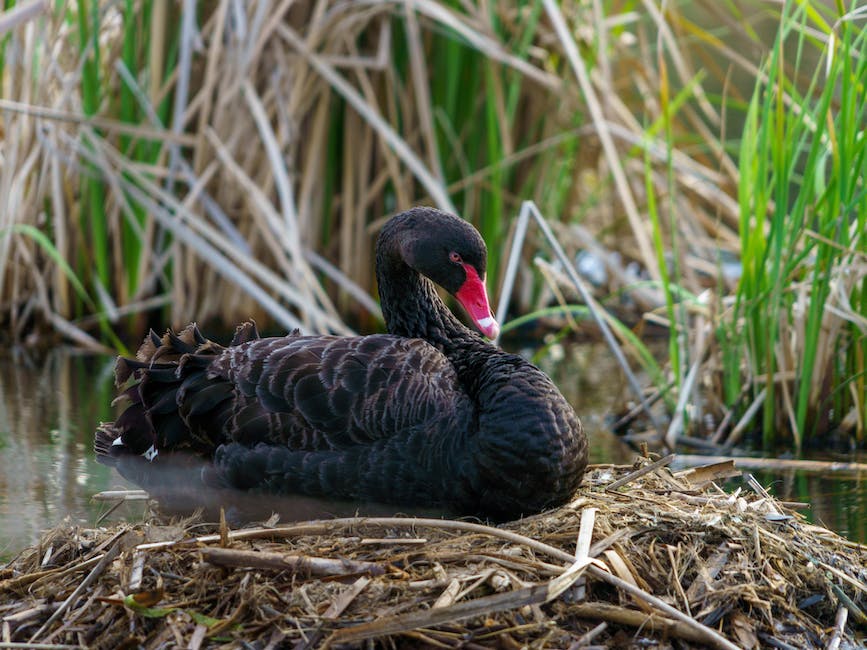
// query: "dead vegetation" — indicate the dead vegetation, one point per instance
point(642, 558)
point(236, 161)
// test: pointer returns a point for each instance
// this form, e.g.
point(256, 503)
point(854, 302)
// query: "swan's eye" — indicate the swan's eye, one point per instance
point(455, 257)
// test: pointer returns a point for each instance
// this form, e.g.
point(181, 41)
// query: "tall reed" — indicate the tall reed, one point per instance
point(799, 313)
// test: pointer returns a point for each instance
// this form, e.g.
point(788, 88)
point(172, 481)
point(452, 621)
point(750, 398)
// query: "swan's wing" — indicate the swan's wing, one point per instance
point(323, 392)
point(186, 394)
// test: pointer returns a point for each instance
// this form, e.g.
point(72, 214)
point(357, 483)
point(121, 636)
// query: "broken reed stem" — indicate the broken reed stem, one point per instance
point(536, 594)
point(585, 533)
point(39, 646)
point(596, 310)
point(738, 431)
point(779, 464)
point(109, 557)
point(705, 634)
point(585, 639)
point(20, 581)
point(305, 565)
point(335, 609)
point(839, 627)
point(637, 619)
point(647, 469)
point(20, 14)
point(100, 123)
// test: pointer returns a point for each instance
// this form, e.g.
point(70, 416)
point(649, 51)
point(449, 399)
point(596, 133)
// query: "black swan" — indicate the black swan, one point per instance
point(430, 415)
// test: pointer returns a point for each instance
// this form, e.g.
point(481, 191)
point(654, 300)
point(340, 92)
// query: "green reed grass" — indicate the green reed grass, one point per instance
point(128, 111)
point(800, 303)
point(93, 213)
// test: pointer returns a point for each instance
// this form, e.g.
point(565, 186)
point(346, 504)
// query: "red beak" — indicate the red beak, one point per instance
point(474, 299)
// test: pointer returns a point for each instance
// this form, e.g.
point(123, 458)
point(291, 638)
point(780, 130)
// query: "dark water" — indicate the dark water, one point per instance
point(49, 409)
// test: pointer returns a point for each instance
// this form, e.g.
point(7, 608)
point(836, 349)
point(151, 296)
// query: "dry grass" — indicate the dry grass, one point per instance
point(294, 127)
point(663, 558)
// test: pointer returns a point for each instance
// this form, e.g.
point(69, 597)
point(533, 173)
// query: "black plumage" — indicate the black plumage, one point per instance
point(430, 415)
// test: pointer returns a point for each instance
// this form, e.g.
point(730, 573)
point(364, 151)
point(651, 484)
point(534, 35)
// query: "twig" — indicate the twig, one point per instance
point(449, 596)
point(759, 489)
point(635, 618)
point(20, 14)
point(335, 609)
point(587, 637)
point(123, 495)
point(675, 427)
point(19, 581)
point(39, 646)
point(643, 405)
point(101, 123)
point(848, 603)
point(585, 533)
point(750, 462)
point(489, 604)
point(748, 415)
point(307, 565)
point(839, 627)
point(107, 559)
point(512, 265)
point(328, 527)
point(701, 476)
point(136, 573)
point(729, 416)
point(582, 546)
point(773, 642)
point(647, 469)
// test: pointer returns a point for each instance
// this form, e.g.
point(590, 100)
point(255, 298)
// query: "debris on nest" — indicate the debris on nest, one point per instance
point(643, 557)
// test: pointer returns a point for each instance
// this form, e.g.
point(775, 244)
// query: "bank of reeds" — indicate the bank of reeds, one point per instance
point(801, 307)
point(783, 353)
point(238, 160)
point(171, 162)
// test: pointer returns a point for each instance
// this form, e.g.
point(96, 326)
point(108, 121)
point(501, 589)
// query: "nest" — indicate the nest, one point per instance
point(643, 557)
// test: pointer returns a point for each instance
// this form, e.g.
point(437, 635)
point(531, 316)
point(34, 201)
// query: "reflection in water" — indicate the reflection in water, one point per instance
point(837, 502)
point(48, 471)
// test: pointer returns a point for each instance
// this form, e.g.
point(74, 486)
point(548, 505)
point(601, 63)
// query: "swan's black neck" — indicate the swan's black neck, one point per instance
point(412, 308)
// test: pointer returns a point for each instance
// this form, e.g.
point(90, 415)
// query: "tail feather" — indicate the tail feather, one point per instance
point(172, 403)
point(244, 333)
point(103, 441)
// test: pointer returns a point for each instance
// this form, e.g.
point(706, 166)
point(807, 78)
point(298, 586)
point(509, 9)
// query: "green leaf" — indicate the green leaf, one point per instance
point(48, 246)
point(148, 612)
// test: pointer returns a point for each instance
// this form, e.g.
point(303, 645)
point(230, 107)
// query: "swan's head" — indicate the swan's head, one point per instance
point(452, 253)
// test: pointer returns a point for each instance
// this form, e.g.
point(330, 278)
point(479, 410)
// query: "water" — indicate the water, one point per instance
point(50, 408)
